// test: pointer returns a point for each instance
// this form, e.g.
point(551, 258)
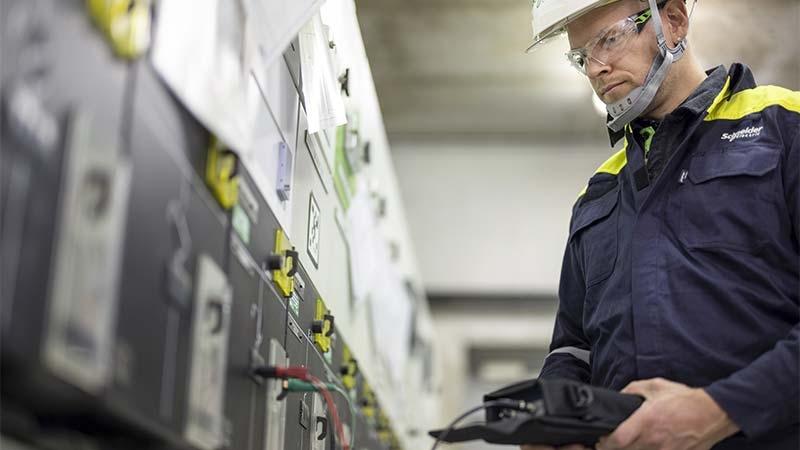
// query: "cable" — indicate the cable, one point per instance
point(295, 385)
point(299, 379)
point(334, 413)
point(298, 372)
point(514, 404)
point(352, 412)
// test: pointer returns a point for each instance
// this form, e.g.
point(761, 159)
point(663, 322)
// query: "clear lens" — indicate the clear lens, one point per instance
point(577, 60)
point(614, 41)
point(606, 47)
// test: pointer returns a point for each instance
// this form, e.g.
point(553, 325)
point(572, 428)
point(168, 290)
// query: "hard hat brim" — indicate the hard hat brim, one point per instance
point(540, 40)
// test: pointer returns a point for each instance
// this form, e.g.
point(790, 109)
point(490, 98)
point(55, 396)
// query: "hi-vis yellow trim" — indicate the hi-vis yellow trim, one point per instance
point(612, 165)
point(751, 101)
point(723, 94)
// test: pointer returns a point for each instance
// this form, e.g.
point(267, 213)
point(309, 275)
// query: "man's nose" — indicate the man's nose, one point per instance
point(595, 67)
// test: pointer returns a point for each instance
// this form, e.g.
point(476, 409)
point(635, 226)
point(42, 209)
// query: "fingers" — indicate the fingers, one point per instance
point(648, 388)
point(626, 433)
point(641, 387)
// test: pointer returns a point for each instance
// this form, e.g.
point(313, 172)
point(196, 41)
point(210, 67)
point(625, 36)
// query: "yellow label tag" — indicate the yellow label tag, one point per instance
point(281, 276)
point(125, 23)
point(220, 178)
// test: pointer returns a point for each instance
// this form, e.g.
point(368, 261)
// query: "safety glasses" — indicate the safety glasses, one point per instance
point(611, 42)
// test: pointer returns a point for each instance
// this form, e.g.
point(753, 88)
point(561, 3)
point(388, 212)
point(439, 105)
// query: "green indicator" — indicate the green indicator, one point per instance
point(241, 223)
point(294, 303)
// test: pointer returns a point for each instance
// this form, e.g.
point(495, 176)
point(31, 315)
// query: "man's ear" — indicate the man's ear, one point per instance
point(675, 18)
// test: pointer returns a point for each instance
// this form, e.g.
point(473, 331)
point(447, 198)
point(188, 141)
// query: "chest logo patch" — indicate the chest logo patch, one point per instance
point(748, 132)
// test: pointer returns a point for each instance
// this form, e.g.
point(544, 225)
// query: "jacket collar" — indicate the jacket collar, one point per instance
point(737, 79)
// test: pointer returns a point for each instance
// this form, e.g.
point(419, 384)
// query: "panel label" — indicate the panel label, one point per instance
point(241, 223)
point(294, 304)
point(313, 236)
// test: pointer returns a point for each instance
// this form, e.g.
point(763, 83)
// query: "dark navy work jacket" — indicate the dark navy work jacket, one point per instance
point(693, 274)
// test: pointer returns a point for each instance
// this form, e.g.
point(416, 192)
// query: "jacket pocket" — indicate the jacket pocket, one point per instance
point(594, 231)
point(730, 199)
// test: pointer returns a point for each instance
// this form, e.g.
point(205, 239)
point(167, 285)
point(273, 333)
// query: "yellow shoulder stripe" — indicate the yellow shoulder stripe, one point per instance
point(723, 94)
point(751, 101)
point(612, 165)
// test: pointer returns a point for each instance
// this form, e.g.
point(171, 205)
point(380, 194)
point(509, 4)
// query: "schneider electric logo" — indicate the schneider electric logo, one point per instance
point(748, 132)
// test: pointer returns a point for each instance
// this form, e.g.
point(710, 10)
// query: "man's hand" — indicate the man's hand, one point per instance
point(673, 417)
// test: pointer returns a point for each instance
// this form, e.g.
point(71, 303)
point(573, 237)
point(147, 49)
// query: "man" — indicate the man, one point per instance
point(680, 277)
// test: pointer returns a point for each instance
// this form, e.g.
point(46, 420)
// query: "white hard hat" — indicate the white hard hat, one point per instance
point(549, 17)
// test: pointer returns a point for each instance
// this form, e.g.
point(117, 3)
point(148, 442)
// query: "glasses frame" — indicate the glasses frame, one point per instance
point(637, 20)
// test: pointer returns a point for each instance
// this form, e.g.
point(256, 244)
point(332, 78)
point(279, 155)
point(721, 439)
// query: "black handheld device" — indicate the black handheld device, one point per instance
point(552, 412)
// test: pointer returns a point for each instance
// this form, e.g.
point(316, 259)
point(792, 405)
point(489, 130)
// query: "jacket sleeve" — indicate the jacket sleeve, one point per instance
point(764, 396)
point(569, 349)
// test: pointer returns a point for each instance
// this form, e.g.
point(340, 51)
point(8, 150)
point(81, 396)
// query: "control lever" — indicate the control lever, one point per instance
point(329, 318)
point(324, 433)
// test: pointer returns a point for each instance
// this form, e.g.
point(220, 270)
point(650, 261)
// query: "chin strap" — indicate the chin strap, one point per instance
point(633, 105)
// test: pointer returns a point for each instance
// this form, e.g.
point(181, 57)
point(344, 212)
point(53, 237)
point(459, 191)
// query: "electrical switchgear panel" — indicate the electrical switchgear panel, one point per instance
point(152, 293)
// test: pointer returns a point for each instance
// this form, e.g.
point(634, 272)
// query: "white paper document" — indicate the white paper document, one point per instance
point(321, 90)
point(277, 22)
point(205, 52)
point(392, 313)
point(377, 281)
point(367, 249)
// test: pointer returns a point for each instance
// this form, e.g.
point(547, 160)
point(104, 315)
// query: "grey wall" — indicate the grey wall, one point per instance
point(492, 216)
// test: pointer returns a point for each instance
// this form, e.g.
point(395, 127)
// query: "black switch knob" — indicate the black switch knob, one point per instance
point(318, 326)
point(274, 262)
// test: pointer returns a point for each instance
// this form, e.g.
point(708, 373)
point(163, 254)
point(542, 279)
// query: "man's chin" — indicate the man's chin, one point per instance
point(618, 92)
point(615, 95)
